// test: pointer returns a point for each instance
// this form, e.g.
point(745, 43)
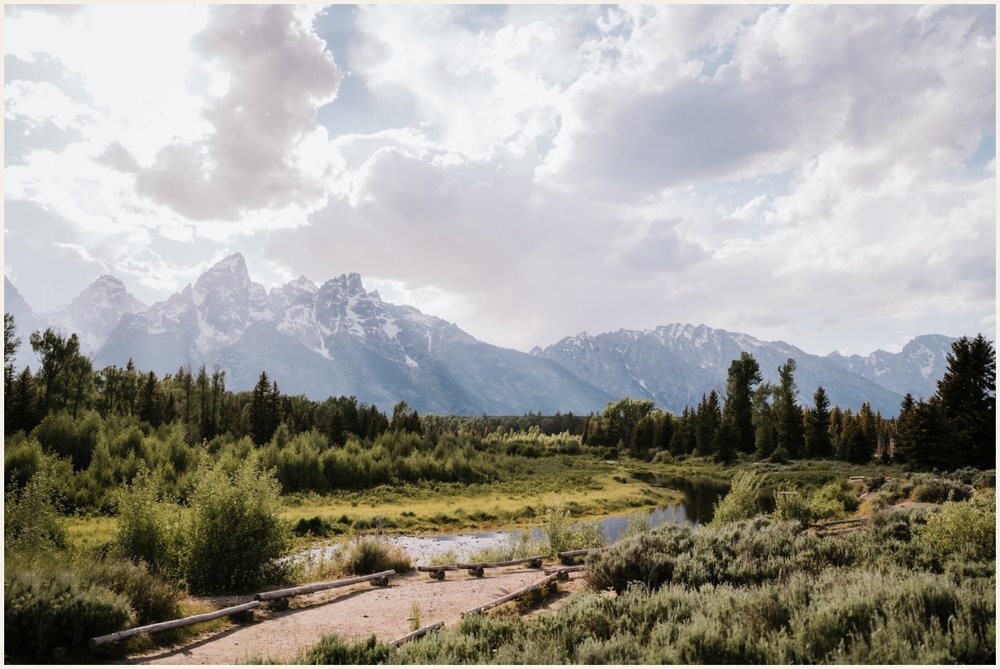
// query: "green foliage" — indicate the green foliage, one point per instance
point(565, 535)
point(833, 500)
point(31, 522)
point(143, 530)
point(741, 502)
point(961, 531)
point(234, 534)
point(371, 555)
point(791, 505)
point(46, 609)
point(333, 650)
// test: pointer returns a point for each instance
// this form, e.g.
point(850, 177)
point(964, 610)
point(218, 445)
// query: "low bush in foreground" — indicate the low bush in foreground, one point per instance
point(370, 555)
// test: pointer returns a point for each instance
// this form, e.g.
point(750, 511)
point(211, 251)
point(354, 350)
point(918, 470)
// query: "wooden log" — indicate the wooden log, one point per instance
point(840, 530)
point(567, 556)
point(514, 595)
point(416, 634)
point(531, 561)
point(437, 571)
point(316, 587)
point(115, 637)
point(564, 572)
point(842, 521)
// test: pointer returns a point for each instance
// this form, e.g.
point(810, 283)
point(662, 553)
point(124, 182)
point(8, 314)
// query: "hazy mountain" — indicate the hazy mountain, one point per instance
point(95, 312)
point(26, 321)
point(915, 370)
point(338, 339)
point(675, 364)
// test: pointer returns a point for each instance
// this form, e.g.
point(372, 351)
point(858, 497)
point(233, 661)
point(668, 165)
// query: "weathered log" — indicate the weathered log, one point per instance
point(316, 587)
point(564, 572)
point(114, 637)
point(416, 634)
point(842, 521)
point(567, 556)
point(437, 571)
point(514, 595)
point(534, 561)
point(841, 530)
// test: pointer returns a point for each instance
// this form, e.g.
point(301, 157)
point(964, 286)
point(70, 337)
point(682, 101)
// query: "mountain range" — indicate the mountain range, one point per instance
point(340, 339)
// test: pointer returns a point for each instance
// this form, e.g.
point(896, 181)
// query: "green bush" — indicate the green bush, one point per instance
point(48, 609)
point(143, 531)
point(565, 535)
point(937, 491)
point(369, 555)
point(31, 522)
point(833, 500)
point(233, 536)
point(740, 503)
point(333, 650)
point(791, 505)
point(964, 531)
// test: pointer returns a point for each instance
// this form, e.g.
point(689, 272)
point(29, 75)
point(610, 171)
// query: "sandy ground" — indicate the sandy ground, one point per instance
point(354, 613)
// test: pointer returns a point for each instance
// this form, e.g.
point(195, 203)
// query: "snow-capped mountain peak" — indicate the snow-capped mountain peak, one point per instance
point(96, 311)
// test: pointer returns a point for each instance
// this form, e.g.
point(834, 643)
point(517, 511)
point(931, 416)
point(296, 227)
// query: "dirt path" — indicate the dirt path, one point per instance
point(354, 614)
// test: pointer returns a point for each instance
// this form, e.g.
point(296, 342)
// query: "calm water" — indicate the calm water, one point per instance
point(700, 496)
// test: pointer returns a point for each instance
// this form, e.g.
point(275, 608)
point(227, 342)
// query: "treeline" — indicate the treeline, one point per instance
point(124, 416)
point(952, 429)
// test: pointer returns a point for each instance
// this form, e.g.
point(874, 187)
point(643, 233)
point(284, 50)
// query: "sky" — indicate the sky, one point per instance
point(821, 175)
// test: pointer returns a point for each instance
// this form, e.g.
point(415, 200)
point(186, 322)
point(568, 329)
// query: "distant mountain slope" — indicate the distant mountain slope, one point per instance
point(95, 312)
point(26, 321)
point(338, 339)
point(675, 364)
point(915, 370)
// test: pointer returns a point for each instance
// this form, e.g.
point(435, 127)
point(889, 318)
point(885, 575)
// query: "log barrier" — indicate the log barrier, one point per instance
point(437, 571)
point(476, 568)
point(567, 556)
point(514, 595)
point(381, 578)
point(564, 572)
point(416, 634)
point(115, 637)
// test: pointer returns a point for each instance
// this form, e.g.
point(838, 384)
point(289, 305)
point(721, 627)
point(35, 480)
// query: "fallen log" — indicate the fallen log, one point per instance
point(115, 637)
point(380, 578)
point(416, 634)
point(567, 556)
point(437, 571)
point(842, 521)
point(514, 595)
point(564, 572)
point(841, 530)
point(476, 568)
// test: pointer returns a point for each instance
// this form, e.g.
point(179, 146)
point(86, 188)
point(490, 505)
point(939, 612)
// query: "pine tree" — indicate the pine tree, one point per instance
point(967, 395)
point(818, 443)
point(707, 422)
point(788, 413)
point(744, 374)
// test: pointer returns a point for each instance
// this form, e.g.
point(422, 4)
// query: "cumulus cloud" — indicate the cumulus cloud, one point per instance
point(278, 73)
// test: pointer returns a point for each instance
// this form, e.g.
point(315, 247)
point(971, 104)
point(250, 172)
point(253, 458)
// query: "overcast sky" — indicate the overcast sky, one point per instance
point(824, 175)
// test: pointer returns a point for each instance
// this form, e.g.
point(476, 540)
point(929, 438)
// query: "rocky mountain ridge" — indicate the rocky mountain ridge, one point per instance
point(340, 339)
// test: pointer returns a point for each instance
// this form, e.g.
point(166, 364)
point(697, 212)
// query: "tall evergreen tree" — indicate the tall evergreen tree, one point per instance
point(709, 418)
point(967, 394)
point(788, 413)
point(743, 375)
point(818, 443)
point(262, 412)
point(764, 421)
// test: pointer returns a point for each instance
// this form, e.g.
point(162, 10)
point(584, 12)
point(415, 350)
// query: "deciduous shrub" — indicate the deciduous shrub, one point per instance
point(961, 531)
point(31, 522)
point(50, 608)
point(333, 650)
point(234, 535)
point(565, 535)
point(740, 503)
point(370, 555)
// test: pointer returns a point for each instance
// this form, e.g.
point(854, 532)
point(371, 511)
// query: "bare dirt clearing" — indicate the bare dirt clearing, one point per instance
point(354, 614)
